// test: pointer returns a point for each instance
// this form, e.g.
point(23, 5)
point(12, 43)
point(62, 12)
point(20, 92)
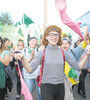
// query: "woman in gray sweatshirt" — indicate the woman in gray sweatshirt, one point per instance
point(52, 87)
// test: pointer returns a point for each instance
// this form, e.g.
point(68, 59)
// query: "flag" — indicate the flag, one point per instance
point(17, 23)
point(20, 34)
point(25, 90)
point(26, 20)
point(61, 8)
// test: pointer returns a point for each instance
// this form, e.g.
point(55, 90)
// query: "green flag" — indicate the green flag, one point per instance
point(17, 23)
point(26, 20)
point(20, 33)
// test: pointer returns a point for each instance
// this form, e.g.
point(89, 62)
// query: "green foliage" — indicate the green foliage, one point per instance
point(5, 19)
point(10, 32)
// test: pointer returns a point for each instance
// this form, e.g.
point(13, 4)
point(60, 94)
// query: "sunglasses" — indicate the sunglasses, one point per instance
point(20, 45)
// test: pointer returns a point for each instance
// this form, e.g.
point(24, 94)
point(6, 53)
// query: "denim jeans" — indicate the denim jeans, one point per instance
point(30, 83)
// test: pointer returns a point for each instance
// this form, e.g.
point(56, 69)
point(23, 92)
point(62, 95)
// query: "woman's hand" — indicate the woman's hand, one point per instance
point(31, 56)
point(18, 56)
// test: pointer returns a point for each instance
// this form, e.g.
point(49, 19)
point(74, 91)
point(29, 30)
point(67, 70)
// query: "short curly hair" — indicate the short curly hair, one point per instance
point(48, 30)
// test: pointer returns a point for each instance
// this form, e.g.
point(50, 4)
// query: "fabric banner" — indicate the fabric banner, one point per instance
point(61, 8)
point(25, 90)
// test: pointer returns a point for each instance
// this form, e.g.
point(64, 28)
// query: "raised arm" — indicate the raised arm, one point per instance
point(75, 64)
point(32, 65)
point(83, 61)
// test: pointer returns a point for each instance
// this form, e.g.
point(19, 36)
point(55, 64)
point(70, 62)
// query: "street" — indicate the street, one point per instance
point(12, 95)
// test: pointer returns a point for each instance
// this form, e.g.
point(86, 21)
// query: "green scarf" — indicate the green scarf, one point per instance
point(72, 73)
point(10, 47)
point(30, 49)
point(2, 76)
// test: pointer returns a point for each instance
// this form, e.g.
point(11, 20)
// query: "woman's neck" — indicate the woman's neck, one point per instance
point(52, 45)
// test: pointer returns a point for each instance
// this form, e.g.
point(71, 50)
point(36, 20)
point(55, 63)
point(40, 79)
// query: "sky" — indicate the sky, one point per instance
point(34, 8)
point(76, 8)
point(18, 7)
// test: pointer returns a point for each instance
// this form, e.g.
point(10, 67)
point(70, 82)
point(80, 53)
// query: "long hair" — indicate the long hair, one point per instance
point(4, 40)
point(48, 30)
point(1, 43)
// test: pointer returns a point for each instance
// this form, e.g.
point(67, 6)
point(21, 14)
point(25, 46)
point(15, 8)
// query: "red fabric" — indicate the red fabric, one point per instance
point(39, 78)
point(17, 69)
point(61, 8)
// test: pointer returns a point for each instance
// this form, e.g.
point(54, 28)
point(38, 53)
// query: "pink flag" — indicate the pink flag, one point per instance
point(61, 7)
point(25, 90)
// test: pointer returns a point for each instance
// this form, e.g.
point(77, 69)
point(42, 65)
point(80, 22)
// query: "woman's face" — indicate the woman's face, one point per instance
point(0, 43)
point(7, 44)
point(20, 46)
point(65, 45)
point(53, 38)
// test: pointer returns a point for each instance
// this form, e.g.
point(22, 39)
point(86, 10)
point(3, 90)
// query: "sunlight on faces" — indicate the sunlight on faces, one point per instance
point(65, 45)
point(7, 44)
point(33, 43)
point(53, 38)
point(20, 45)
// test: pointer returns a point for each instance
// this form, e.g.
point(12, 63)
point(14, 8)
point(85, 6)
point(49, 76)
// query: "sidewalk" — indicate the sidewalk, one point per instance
point(87, 86)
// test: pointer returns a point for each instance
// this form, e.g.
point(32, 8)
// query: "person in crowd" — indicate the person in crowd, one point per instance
point(4, 62)
point(75, 53)
point(69, 37)
point(8, 70)
point(84, 72)
point(30, 79)
point(20, 49)
point(20, 46)
point(52, 87)
point(10, 46)
point(77, 42)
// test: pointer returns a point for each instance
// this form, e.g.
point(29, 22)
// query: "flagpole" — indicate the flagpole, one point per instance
point(23, 19)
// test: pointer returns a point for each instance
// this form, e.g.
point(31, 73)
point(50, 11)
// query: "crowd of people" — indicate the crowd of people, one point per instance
point(76, 67)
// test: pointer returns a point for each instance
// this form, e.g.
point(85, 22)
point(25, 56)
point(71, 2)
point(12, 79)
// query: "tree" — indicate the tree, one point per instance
point(5, 19)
